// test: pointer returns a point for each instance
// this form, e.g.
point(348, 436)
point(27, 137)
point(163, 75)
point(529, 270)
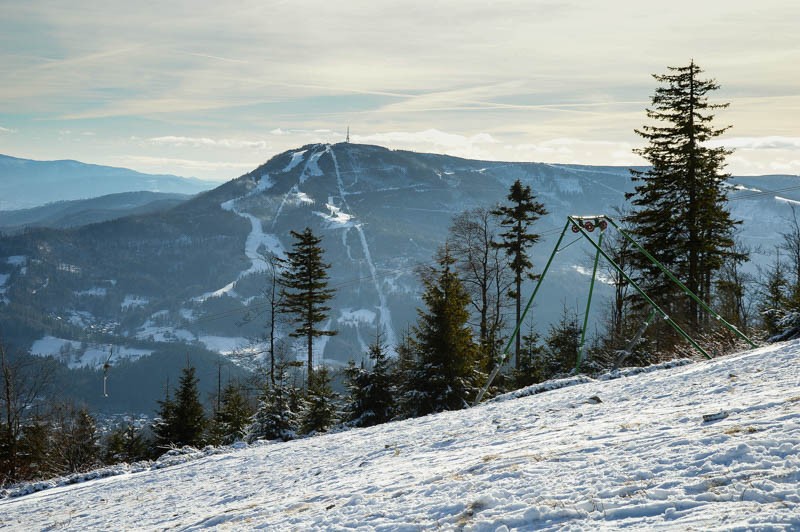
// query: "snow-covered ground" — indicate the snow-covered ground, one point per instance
point(76, 354)
point(713, 445)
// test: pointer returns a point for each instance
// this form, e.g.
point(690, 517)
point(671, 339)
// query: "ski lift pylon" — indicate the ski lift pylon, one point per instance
point(585, 225)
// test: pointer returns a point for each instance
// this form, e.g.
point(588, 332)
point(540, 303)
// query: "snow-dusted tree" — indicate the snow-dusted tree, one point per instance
point(533, 367)
point(274, 418)
point(562, 343)
point(75, 446)
point(232, 418)
point(126, 443)
point(371, 400)
point(320, 410)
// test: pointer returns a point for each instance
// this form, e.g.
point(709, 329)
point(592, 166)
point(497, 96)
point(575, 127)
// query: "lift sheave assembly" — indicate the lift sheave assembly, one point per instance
point(584, 226)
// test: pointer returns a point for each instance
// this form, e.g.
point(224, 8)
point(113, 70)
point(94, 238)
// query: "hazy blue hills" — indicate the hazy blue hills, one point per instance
point(26, 183)
point(74, 213)
point(184, 279)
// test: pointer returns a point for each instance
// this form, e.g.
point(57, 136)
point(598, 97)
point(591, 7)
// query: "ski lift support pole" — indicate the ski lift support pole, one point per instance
point(576, 223)
point(579, 224)
point(680, 285)
point(502, 360)
point(582, 346)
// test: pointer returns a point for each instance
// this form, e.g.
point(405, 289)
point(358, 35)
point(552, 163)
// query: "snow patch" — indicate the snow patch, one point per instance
point(96, 291)
point(628, 453)
point(132, 301)
point(353, 318)
point(605, 279)
point(335, 217)
point(17, 260)
point(77, 355)
point(223, 345)
point(787, 200)
point(297, 158)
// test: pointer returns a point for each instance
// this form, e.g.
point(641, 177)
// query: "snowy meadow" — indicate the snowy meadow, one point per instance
point(710, 445)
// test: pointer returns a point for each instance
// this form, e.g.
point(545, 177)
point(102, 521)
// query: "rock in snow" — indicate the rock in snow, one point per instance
point(553, 460)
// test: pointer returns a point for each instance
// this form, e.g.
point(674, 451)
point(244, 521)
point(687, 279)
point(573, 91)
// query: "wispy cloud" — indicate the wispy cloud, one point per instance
point(168, 164)
point(759, 143)
point(7, 130)
point(209, 142)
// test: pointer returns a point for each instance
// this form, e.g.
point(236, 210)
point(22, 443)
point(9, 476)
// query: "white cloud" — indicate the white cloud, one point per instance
point(150, 164)
point(7, 130)
point(209, 142)
point(432, 137)
point(759, 143)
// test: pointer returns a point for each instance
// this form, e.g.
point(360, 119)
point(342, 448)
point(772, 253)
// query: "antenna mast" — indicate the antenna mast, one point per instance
point(347, 139)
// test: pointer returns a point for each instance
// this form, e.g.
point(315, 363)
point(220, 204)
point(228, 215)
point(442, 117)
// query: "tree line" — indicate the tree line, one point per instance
point(472, 298)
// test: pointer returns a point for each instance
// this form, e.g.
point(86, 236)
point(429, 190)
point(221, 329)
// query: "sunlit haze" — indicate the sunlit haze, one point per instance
point(213, 89)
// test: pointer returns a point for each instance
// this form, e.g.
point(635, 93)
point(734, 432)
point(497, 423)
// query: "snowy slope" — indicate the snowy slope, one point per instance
point(642, 457)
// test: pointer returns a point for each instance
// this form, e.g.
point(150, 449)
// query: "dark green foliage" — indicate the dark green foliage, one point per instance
point(681, 215)
point(371, 390)
point(775, 298)
point(305, 292)
point(516, 218)
point(445, 373)
point(75, 447)
point(275, 417)
point(562, 343)
point(23, 385)
point(230, 422)
point(34, 449)
point(320, 411)
point(181, 421)
point(126, 443)
point(533, 366)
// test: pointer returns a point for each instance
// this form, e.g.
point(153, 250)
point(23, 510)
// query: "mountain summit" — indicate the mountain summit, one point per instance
point(194, 274)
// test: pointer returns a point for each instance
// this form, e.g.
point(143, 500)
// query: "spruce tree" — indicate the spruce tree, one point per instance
point(231, 420)
point(516, 218)
point(320, 410)
point(305, 291)
point(75, 440)
point(126, 443)
point(446, 371)
point(562, 344)
point(681, 215)
point(372, 399)
point(182, 421)
point(274, 418)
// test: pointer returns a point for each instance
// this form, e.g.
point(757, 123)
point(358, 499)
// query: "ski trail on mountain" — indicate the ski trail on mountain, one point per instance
point(386, 316)
point(255, 240)
point(295, 190)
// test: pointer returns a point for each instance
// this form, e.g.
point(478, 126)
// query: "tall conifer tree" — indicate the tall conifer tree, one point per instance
point(516, 218)
point(681, 213)
point(306, 291)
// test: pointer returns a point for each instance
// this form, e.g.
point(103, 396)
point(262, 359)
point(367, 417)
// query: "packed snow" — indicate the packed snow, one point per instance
point(77, 354)
point(223, 345)
point(256, 240)
point(354, 317)
point(297, 158)
point(712, 445)
point(133, 301)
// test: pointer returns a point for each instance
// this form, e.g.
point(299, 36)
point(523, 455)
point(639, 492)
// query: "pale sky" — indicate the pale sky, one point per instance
point(212, 89)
